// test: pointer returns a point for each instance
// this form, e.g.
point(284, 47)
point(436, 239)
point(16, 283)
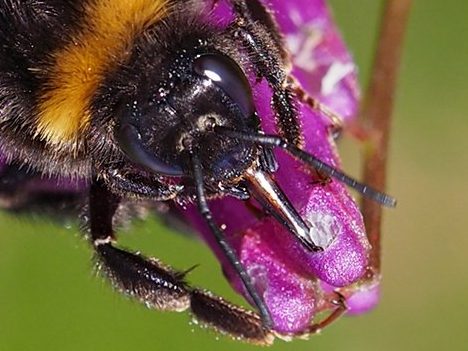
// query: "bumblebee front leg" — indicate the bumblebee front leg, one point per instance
point(158, 286)
point(276, 67)
point(257, 31)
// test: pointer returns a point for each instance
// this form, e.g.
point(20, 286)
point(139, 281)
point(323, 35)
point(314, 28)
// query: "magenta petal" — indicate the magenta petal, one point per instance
point(289, 296)
point(321, 60)
point(364, 299)
point(345, 258)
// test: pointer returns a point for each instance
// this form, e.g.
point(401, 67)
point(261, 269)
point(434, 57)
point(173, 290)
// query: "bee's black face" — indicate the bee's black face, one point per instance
point(162, 131)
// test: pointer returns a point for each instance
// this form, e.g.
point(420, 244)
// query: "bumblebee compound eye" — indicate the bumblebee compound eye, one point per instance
point(227, 75)
point(131, 143)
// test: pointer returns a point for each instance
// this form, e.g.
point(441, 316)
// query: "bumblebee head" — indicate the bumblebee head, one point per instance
point(163, 126)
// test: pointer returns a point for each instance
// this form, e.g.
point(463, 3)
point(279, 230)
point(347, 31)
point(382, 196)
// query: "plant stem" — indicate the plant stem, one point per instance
point(376, 115)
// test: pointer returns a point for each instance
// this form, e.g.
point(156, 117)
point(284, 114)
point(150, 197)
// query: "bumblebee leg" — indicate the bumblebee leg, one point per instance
point(254, 10)
point(129, 183)
point(227, 318)
point(258, 33)
point(268, 160)
point(285, 86)
point(223, 244)
point(159, 286)
point(148, 281)
point(303, 96)
point(338, 304)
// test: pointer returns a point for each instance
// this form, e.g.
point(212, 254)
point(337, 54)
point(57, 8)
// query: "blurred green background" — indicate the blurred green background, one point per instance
point(50, 299)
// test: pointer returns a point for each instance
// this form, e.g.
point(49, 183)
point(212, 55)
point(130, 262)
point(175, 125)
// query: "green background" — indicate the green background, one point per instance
point(51, 300)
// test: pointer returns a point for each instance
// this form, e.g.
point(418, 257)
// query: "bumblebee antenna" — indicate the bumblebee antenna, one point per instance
point(277, 141)
point(224, 245)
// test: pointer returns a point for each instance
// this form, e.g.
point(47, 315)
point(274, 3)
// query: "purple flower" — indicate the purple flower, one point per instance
point(295, 283)
point(322, 63)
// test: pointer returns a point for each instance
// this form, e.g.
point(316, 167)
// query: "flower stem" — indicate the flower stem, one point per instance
point(376, 115)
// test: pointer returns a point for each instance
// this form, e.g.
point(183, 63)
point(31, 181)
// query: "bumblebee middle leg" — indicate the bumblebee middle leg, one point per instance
point(159, 286)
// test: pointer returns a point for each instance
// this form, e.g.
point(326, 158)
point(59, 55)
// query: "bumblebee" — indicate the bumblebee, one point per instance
point(146, 100)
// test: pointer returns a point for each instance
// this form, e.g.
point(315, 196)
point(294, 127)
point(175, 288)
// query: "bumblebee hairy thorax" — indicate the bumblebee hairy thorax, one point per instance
point(147, 99)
